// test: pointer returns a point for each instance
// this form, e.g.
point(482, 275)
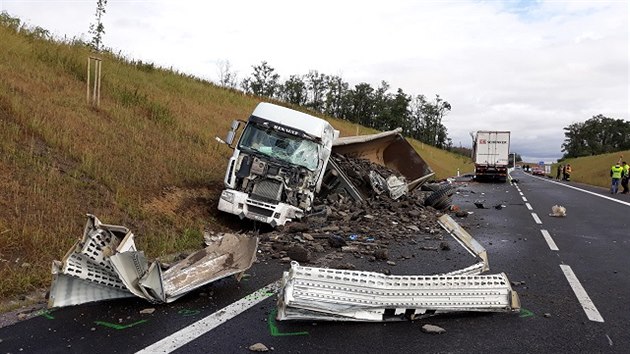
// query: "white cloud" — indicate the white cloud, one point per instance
point(529, 67)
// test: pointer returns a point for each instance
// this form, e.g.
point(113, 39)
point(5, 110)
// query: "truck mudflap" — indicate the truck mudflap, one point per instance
point(105, 264)
point(389, 149)
point(310, 293)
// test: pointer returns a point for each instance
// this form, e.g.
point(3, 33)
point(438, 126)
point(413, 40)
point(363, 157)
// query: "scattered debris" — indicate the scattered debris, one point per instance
point(258, 347)
point(433, 329)
point(325, 294)
point(106, 264)
point(547, 315)
point(147, 311)
point(479, 204)
point(558, 211)
point(499, 206)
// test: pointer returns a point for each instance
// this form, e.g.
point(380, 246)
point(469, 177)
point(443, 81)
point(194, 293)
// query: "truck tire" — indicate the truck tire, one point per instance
point(440, 199)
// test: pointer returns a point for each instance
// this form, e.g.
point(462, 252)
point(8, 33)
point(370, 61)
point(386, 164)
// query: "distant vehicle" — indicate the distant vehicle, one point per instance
point(490, 155)
point(538, 171)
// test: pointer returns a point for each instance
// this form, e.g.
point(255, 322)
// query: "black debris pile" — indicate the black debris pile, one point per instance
point(365, 230)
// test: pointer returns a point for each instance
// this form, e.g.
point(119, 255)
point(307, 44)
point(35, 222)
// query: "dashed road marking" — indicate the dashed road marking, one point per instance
point(524, 199)
point(529, 206)
point(550, 242)
point(205, 325)
point(582, 296)
point(536, 218)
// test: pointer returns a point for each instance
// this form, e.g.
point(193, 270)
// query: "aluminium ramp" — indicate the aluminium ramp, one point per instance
point(310, 293)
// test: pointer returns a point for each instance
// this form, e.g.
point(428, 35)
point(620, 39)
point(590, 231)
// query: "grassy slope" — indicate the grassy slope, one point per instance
point(147, 159)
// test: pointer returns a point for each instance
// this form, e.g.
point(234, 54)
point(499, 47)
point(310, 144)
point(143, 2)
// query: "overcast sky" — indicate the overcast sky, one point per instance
point(531, 67)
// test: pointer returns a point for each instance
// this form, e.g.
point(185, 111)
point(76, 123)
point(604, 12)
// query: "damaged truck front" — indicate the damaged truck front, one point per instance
point(277, 165)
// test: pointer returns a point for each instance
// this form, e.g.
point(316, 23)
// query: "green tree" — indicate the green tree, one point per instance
point(263, 82)
point(97, 30)
point(598, 135)
point(294, 91)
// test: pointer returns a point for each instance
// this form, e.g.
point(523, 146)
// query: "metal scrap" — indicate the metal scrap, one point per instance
point(106, 264)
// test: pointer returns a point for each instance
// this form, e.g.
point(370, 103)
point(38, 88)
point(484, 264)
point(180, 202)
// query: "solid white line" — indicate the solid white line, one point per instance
point(529, 206)
point(585, 191)
point(205, 325)
point(582, 296)
point(550, 242)
point(524, 199)
point(536, 218)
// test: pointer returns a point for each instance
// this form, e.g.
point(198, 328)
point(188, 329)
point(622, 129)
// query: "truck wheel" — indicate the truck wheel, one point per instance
point(440, 198)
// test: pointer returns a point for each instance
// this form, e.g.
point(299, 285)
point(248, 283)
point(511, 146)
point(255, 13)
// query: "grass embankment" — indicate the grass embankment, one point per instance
point(593, 170)
point(147, 159)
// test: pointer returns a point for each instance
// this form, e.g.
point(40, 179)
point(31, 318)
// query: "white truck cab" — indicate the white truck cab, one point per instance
point(277, 165)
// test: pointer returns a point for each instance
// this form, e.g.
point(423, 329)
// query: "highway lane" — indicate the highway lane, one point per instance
point(515, 246)
point(593, 239)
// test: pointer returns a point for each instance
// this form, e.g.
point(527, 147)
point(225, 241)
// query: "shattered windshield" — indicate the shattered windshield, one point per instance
point(284, 147)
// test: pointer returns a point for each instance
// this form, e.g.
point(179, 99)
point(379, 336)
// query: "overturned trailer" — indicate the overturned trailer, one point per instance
point(389, 149)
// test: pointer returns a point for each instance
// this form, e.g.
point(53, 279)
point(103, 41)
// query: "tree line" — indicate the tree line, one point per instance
point(598, 135)
point(420, 117)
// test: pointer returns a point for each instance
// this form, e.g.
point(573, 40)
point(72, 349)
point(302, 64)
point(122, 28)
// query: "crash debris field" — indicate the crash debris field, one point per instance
point(339, 258)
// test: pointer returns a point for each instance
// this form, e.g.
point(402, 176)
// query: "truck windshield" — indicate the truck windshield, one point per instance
point(281, 146)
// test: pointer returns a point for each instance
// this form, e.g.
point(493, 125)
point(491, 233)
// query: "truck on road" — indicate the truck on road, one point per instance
point(282, 161)
point(490, 154)
point(277, 165)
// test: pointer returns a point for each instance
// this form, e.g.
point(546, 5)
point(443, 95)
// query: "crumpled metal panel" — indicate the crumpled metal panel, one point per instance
point(464, 239)
point(106, 264)
point(310, 293)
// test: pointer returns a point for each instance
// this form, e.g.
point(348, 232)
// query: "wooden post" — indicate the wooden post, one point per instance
point(95, 100)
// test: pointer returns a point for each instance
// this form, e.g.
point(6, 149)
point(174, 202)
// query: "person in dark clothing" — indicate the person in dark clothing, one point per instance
point(559, 171)
point(625, 176)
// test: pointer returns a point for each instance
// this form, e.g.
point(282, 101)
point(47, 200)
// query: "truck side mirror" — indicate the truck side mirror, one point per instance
point(232, 133)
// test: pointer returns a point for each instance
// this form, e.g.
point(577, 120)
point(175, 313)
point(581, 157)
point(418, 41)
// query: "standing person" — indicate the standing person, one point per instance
point(559, 171)
point(615, 173)
point(567, 172)
point(564, 172)
point(625, 176)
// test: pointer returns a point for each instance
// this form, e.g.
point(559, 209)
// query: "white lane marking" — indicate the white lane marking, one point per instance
point(521, 193)
point(550, 242)
point(582, 296)
point(585, 191)
point(610, 342)
point(524, 199)
point(529, 206)
point(205, 325)
point(536, 218)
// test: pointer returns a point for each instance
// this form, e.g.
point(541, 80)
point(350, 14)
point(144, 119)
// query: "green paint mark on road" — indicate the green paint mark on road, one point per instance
point(273, 329)
point(525, 313)
point(186, 312)
point(45, 313)
point(118, 326)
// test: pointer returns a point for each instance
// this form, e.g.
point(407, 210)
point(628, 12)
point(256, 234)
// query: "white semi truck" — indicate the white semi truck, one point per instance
point(282, 161)
point(491, 150)
point(277, 165)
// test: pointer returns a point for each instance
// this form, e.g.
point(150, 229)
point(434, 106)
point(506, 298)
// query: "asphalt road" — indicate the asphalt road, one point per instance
point(591, 244)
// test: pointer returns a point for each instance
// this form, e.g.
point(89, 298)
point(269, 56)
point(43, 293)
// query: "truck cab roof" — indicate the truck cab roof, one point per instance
point(311, 125)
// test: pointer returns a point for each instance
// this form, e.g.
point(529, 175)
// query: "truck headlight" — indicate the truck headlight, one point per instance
point(227, 196)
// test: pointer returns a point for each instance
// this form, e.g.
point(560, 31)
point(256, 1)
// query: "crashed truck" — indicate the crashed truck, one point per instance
point(282, 160)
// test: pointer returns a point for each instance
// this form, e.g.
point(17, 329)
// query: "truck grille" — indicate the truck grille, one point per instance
point(260, 211)
point(268, 189)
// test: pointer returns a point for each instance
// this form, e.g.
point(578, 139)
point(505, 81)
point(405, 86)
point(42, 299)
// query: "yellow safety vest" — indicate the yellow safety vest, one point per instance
point(616, 171)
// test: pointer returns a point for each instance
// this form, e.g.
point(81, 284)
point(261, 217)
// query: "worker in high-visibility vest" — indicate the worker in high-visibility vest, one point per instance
point(615, 172)
point(625, 177)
